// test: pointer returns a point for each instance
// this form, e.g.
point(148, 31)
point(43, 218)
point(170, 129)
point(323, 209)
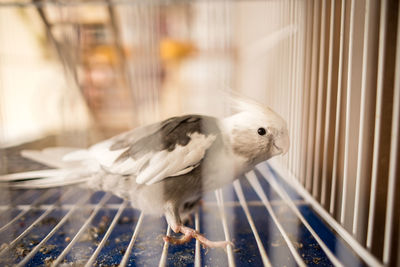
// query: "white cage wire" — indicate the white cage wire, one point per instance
point(331, 68)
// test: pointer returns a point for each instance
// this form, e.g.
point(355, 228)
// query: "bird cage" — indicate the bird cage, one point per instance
point(73, 73)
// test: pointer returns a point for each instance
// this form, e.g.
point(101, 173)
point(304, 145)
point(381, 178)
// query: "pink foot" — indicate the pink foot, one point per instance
point(189, 234)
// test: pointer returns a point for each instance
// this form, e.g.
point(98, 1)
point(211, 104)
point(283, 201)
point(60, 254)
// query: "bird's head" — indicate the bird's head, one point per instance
point(257, 133)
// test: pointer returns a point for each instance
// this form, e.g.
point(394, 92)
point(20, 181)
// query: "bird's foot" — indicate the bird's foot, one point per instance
point(189, 234)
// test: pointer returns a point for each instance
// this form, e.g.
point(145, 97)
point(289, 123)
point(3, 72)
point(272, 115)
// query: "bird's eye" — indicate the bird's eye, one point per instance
point(261, 131)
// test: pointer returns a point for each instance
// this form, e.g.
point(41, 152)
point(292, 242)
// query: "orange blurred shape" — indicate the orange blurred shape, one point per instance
point(171, 50)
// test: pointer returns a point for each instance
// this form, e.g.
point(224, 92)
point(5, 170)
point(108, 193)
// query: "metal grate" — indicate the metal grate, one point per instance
point(268, 221)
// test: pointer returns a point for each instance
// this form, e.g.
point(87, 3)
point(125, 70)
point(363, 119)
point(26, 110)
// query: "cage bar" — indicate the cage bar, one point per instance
point(121, 208)
point(338, 107)
point(242, 200)
point(221, 208)
point(362, 251)
point(378, 120)
point(328, 106)
point(163, 259)
point(361, 133)
point(125, 259)
point(347, 122)
point(318, 134)
point(313, 86)
point(101, 203)
point(39, 219)
point(39, 200)
point(252, 178)
point(394, 158)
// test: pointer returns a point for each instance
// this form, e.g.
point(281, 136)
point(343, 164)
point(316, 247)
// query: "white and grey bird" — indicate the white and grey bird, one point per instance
point(164, 168)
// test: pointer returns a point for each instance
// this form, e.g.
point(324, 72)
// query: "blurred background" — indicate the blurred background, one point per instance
point(110, 67)
point(76, 72)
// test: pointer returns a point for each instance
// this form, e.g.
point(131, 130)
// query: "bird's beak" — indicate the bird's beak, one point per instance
point(283, 143)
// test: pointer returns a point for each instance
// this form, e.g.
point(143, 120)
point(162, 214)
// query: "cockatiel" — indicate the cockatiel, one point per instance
point(164, 168)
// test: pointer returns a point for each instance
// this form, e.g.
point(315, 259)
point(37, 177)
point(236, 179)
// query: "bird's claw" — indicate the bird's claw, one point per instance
point(190, 233)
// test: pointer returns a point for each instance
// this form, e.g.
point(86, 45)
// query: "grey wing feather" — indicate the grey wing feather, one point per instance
point(152, 153)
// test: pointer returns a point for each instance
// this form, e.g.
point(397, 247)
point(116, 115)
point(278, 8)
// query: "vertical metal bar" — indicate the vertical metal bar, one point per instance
point(118, 43)
point(299, 83)
point(220, 201)
point(378, 120)
point(295, 145)
point(348, 110)
point(318, 135)
point(242, 200)
point(311, 115)
point(295, 90)
point(328, 105)
point(107, 234)
point(291, 80)
point(305, 106)
point(338, 106)
point(286, 60)
point(282, 67)
point(280, 63)
point(361, 132)
point(62, 53)
point(394, 156)
point(124, 260)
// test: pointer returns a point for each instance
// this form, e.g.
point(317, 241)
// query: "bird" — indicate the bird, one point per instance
point(164, 168)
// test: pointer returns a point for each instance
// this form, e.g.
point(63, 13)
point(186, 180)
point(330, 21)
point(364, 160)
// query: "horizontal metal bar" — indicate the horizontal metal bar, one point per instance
point(19, 198)
point(117, 206)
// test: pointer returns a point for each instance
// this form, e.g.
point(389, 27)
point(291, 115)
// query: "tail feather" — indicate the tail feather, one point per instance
point(71, 166)
point(45, 178)
point(15, 177)
point(52, 157)
point(47, 182)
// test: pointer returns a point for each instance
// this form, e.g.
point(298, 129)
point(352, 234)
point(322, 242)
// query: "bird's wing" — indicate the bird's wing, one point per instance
point(169, 148)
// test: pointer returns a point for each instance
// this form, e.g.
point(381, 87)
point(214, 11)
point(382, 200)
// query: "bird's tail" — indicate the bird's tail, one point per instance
point(68, 166)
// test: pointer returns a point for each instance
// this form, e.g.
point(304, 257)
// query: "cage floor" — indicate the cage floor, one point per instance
point(268, 222)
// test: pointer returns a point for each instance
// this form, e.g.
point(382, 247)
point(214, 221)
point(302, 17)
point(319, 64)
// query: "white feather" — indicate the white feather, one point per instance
point(179, 161)
point(103, 155)
point(52, 157)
